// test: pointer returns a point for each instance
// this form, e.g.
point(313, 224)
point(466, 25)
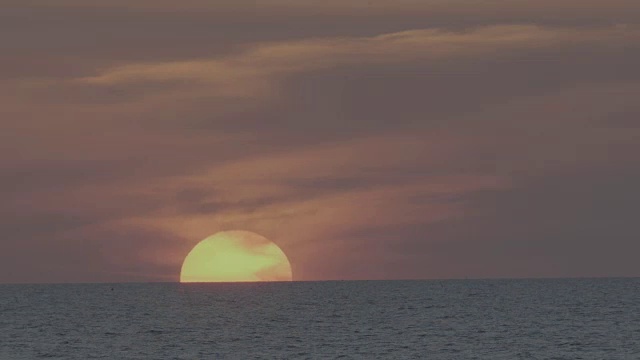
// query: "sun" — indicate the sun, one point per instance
point(235, 256)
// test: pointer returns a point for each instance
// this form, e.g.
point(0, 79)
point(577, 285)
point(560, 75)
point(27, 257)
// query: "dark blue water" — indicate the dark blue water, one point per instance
point(464, 319)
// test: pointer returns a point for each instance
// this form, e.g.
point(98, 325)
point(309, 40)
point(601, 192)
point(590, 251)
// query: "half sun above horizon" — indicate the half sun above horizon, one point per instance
point(235, 256)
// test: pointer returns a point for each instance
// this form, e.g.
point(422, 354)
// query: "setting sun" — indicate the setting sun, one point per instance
point(235, 256)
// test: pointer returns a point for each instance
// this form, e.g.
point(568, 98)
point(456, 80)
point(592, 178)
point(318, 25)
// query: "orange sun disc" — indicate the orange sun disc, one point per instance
point(235, 256)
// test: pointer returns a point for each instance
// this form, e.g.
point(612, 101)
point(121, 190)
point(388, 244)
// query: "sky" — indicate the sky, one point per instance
point(374, 139)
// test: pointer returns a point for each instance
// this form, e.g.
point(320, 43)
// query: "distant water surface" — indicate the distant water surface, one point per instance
point(457, 319)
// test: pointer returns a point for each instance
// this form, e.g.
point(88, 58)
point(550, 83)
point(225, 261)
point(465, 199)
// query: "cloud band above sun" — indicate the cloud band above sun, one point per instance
point(254, 71)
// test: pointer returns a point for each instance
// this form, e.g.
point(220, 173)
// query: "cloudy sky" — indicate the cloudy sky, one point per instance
point(368, 139)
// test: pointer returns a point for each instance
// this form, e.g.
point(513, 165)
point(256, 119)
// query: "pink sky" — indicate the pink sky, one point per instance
point(368, 139)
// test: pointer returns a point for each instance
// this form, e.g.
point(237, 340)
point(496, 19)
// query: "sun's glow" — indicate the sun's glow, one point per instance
point(235, 256)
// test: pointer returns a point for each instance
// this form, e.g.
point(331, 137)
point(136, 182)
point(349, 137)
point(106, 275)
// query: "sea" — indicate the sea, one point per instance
point(452, 319)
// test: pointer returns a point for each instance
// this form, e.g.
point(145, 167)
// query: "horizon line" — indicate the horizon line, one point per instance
point(331, 280)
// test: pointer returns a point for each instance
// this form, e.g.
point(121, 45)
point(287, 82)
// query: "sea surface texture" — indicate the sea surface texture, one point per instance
point(457, 319)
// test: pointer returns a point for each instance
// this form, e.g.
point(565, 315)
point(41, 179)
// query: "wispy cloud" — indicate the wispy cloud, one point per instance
point(256, 70)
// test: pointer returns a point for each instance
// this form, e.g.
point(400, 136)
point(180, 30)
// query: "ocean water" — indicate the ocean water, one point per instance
point(456, 319)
